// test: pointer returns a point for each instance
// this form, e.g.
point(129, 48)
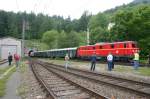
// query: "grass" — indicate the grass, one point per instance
point(23, 67)
point(123, 69)
point(4, 80)
point(22, 89)
point(2, 87)
point(144, 61)
point(145, 71)
point(2, 70)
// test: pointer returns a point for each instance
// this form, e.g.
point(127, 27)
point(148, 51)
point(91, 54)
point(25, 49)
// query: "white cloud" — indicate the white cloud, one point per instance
point(73, 8)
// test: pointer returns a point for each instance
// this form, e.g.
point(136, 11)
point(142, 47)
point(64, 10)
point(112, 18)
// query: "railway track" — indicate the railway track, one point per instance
point(136, 87)
point(3, 61)
point(59, 87)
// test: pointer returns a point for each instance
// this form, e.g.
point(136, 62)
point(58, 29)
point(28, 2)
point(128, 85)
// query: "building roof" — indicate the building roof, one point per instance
point(9, 37)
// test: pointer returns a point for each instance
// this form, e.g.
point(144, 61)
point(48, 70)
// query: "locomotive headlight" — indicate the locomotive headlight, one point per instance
point(116, 51)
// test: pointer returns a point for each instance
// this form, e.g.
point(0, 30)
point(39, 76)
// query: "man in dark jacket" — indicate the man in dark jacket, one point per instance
point(93, 61)
point(9, 58)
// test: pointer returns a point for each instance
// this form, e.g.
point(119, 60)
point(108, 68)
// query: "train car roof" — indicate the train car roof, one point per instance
point(74, 48)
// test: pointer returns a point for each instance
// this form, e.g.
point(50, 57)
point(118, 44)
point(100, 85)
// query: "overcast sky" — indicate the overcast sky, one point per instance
point(72, 8)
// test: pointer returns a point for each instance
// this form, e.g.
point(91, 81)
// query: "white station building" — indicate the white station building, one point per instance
point(11, 45)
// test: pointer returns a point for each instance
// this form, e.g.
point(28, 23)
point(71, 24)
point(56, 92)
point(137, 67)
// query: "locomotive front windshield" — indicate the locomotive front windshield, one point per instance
point(134, 45)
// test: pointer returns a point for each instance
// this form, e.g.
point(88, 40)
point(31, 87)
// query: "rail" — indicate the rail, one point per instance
point(50, 91)
point(138, 87)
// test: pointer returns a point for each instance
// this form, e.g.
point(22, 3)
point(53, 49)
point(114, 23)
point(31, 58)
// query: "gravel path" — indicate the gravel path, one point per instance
point(30, 86)
point(4, 65)
point(12, 85)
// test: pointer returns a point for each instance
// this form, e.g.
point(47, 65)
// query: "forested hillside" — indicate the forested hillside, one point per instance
point(11, 24)
point(131, 22)
point(141, 1)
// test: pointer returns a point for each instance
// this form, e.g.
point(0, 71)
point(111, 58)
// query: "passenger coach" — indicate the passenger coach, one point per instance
point(57, 53)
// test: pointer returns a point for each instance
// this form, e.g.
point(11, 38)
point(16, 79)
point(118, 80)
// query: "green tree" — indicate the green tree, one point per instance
point(68, 39)
point(98, 28)
point(62, 40)
point(82, 36)
point(145, 46)
point(50, 38)
point(72, 39)
point(83, 21)
point(3, 24)
point(133, 25)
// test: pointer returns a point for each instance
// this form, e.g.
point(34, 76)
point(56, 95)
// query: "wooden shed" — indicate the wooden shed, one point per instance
point(9, 44)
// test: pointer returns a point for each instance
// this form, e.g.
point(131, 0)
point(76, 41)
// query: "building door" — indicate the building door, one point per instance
point(6, 49)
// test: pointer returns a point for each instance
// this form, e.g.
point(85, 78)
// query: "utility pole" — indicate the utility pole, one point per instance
point(88, 37)
point(23, 36)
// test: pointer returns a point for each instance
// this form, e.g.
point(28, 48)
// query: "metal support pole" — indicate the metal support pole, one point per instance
point(23, 36)
point(88, 37)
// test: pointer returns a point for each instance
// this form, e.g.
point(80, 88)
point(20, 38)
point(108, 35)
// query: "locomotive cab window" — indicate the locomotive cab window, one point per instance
point(100, 47)
point(125, 45)
point(133, 45)
point(112, 45)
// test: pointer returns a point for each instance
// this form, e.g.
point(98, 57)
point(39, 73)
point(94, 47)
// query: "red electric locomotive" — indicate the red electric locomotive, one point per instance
point(118, 49)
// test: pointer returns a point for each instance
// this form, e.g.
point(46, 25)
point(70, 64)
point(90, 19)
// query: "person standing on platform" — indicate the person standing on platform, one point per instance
point(136, 60)
point(67, 61)
point(110, 61)
point(16, 58)
point(9, 58)
point(93, 61)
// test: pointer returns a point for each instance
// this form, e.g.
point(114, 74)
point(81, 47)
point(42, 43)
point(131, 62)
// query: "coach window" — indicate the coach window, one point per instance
point(112, 45)
point(125, 45)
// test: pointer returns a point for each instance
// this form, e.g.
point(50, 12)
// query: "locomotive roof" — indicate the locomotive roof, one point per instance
point(114, 42)
point(102, 43)
point(74, 48)
point(87, 45)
